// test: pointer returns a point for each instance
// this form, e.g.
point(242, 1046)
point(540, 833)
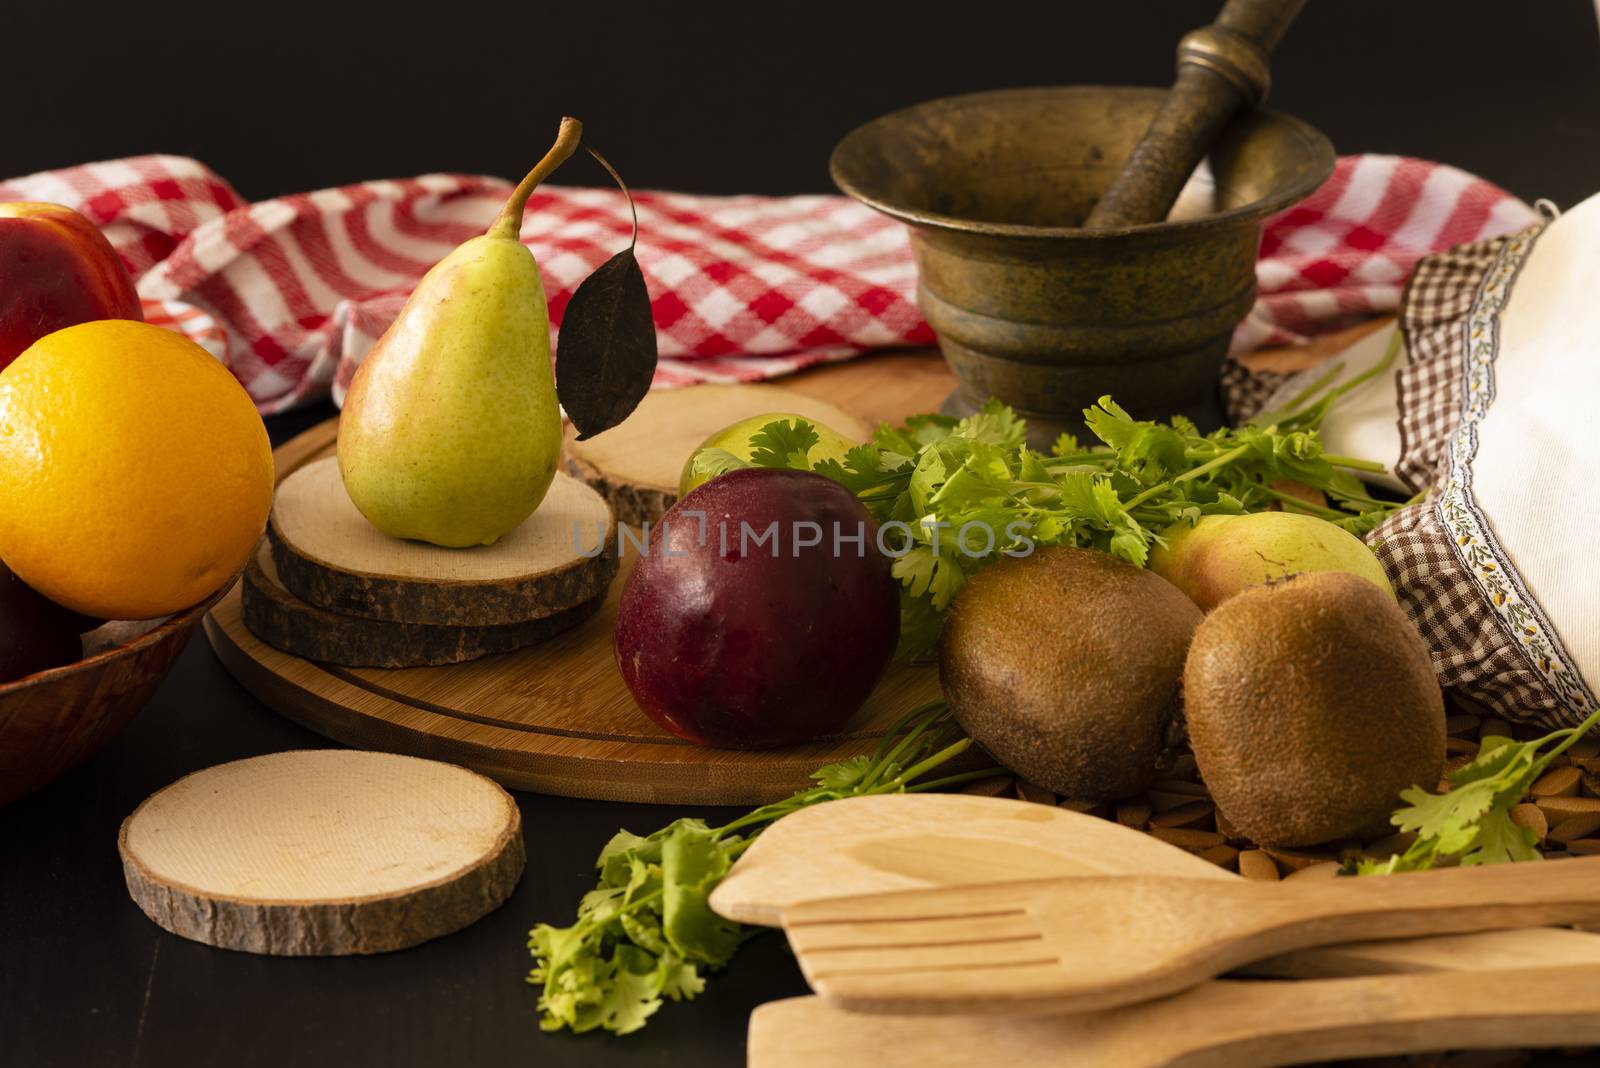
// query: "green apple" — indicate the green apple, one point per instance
point(1223, 554)
point(831, 445)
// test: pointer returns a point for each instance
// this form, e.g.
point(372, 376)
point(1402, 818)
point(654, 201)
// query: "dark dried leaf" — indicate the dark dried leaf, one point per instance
point(606, 354)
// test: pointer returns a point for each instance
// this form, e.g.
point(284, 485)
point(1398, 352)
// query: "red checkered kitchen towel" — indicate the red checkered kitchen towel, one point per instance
point(291, 293)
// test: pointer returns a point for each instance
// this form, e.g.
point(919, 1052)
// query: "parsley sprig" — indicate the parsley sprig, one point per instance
point(647, 933)
point(1472, 821)
point(936, 476)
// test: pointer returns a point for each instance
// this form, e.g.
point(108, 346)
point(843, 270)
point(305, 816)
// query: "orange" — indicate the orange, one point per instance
point(135, 473)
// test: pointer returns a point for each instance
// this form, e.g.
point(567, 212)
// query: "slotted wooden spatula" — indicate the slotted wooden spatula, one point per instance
point(1094, 942)
point(870, 845)
point(1219, 1024)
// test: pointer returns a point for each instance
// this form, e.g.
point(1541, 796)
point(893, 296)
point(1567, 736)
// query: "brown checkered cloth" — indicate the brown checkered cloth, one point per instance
point(1433, 313)
point(1492, 645)
point(1246, 392)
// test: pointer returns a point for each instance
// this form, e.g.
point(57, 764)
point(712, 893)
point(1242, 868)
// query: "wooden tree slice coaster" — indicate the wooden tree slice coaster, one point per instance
point(636, 466)
point(285, 622)
point(328, 555)
point(323, 852)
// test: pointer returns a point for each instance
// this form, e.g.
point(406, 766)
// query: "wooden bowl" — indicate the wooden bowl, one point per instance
point(52, 721)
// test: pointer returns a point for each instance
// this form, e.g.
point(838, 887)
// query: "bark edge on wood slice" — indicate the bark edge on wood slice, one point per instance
point(323, 852)
point(285, 622)
point(636, 465)
point(328, 555)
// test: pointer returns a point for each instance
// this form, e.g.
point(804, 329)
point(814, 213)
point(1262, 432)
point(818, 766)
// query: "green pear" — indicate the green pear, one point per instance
point(1221, 555)
point(735, 438)
point(451, 432)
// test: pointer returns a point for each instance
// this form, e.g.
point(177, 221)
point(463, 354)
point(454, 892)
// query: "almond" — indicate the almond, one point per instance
point(1255, 864)
point(1133, 813)
point(1558, 782)
point(993, 786)
point(1191, 815)
point(1194, 841)
point(1027, 791)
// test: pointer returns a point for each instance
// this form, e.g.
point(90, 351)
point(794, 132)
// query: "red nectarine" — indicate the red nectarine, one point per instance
point(56, 270)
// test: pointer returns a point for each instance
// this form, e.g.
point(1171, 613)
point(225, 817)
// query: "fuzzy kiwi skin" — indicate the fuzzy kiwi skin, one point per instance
point(1065, 665)
point(1311, 703)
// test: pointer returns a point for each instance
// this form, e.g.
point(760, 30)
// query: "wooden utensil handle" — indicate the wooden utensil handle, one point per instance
point(1221, 69)
point(1244, 1024)
point(1217, 1025)
point(1437, 902)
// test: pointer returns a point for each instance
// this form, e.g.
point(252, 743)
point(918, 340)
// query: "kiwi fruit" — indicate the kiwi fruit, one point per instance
point(1065, 664)
point(1311, 703)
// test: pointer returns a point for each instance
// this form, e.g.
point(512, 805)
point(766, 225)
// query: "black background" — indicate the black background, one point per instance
point(705, 97)
point(744, 97)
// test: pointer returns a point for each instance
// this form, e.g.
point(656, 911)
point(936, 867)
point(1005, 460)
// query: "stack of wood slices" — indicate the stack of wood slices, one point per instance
point(328, 586)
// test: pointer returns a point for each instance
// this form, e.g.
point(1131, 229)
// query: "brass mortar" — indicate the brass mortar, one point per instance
point(1044, 315)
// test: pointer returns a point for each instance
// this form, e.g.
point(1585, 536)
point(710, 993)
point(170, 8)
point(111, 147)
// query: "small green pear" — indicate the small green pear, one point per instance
point(1220, 555)
point(451, 432)
point(735, 438)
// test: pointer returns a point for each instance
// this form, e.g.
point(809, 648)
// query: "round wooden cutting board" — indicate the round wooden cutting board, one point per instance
point(556, 717)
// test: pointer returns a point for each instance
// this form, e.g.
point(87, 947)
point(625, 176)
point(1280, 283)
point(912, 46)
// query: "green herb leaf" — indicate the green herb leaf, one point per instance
point(680, 981)
point(633, 995)
point(938, 575)
point(693, 861)
point(862, 472)
point(780, 444)
point(1472, 821)
point(994, 424)
point(645, 933)
point(1065, 445)
point(1501, 841)
point(845, 774)
point(708, 463)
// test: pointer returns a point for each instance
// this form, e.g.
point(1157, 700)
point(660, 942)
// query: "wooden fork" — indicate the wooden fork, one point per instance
point(1220, 1024)
point(1094, 942)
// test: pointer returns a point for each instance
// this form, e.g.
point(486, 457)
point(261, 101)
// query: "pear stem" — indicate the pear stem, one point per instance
point(509, 224)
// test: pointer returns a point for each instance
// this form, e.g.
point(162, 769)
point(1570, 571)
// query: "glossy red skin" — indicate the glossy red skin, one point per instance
point(751, 650)
point(35, 633)
point(56, 270)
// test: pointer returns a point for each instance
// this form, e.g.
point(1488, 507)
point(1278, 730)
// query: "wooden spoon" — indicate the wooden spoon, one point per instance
point(1220, 1024)
point(1094, 942)
point(870, 845)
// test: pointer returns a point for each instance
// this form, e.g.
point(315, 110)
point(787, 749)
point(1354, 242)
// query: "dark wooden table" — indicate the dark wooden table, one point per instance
point(1510, 92)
